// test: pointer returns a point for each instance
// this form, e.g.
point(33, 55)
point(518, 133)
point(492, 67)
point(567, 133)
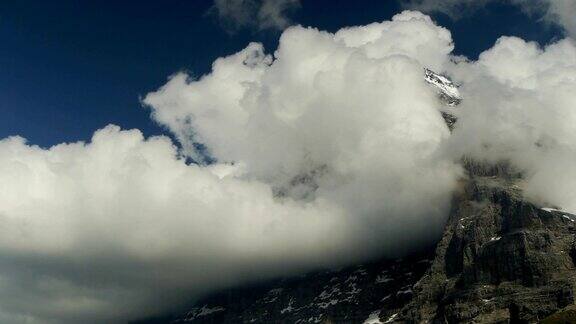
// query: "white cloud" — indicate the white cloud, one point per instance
point(335, 151)
point(453, 8)
point(563, 12)
point(559, 12)
point(259, 14)
point(521, 106)
point(100, 232)
point(332, 115)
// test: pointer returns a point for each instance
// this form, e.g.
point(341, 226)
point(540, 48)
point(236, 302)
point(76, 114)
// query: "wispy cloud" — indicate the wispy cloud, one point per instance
point(558, 12)
point(256, 14)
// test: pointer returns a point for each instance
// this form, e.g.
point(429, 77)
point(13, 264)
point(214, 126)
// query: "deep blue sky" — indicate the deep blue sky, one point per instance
point(68, 68)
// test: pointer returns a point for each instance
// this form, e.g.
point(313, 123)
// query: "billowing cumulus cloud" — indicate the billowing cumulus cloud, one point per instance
point(558, 12)
point(258, 14)
point(521, 106)
point(326, 153)
point(329, 116)
point(330, 150)
point(101, 231)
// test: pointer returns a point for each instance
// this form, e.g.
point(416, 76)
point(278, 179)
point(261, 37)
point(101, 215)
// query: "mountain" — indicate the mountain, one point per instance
point(349, 295)
point(501, 259)
point(447, 90)
point(448, 94)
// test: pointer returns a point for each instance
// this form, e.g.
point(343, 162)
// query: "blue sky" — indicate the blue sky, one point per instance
point(71, 67)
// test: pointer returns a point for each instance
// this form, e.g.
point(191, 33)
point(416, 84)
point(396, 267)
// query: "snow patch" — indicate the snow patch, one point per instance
point(351, 278)
point(289, 308)
point(328, 303)
point(383, 279)
point(207, 310)
point(403, 292)
point(200, 312)
point(446, 88)
point(549, 209)
point(391, 318)
point(568, 216)
point(373, 318)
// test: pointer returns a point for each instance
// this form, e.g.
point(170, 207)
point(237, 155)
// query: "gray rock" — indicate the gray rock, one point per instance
point(501, 259)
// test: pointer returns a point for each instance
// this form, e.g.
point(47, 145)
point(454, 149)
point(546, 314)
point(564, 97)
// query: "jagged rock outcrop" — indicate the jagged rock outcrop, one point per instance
point(501, 259)
point(448, 94)
point(447, 90)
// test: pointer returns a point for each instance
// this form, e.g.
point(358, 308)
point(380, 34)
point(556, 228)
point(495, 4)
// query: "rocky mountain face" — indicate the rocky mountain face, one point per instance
point(349, 295)
point(447, 90)
point(501, 259)
point(448, 94)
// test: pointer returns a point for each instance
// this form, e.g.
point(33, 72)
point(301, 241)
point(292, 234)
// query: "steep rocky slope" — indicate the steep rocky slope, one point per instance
point(349, 295)
point(501, 258)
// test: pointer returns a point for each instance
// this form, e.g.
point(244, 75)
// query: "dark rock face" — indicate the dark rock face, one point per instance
point(501, 259)
point(448, 95)
point(349, 295)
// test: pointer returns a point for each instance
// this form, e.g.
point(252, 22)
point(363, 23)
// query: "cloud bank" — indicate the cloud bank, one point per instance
point(102, 232)
point(258, 14)
point(521, 106)
point(557, 12)
point(329, 151)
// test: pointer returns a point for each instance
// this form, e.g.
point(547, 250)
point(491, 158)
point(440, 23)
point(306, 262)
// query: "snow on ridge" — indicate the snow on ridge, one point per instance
point(383, 279)
point(200, 312)
point(549, 209)
point(207, 310)
point(391, 318)
point(444, 85)
point(288, 308)
point(373, 318)
point(564, 214)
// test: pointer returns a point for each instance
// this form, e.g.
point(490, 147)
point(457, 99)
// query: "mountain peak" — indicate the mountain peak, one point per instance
point(447, 90)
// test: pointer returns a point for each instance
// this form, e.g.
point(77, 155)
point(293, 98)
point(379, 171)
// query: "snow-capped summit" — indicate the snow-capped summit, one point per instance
point(447, 91)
